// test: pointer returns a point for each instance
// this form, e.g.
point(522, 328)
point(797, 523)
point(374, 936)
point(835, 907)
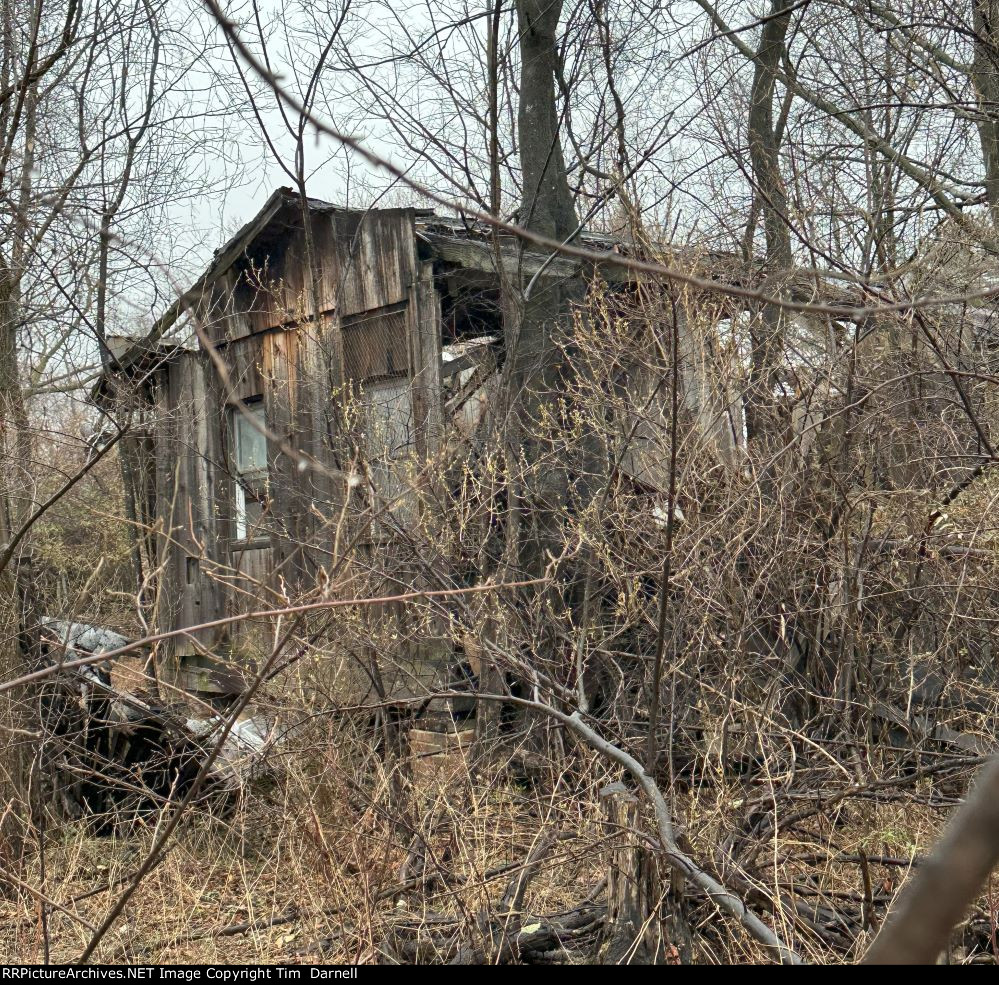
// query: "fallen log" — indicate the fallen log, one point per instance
point(430, 939)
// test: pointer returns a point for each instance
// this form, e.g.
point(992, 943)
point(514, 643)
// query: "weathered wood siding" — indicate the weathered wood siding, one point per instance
point(188, 449)
point(379, 313)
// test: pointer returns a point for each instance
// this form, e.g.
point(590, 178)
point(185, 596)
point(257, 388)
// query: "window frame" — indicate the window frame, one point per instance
point(249, 484)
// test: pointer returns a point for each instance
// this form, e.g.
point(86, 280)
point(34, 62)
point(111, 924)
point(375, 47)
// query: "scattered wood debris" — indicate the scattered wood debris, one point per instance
point(112, 756)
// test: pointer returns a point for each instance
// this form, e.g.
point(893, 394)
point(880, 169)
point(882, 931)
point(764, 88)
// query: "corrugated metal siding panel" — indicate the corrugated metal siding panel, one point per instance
point(374, 345)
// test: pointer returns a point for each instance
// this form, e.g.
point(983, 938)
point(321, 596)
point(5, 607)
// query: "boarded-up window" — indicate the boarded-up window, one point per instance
point(374, 344)
point(388, 433)
point(249, 441)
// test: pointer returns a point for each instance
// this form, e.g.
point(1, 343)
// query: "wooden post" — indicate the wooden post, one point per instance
point(646, 919)
point(424, 345)
point(489, 677)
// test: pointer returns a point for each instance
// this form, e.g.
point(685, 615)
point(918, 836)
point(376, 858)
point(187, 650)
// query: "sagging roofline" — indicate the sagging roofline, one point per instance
point(453, 241)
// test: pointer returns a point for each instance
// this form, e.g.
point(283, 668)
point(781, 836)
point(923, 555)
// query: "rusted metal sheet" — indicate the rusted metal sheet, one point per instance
point(375, 344)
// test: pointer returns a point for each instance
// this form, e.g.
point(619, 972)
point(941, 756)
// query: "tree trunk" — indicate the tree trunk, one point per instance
point(15, 455)
point(985, 76)
point(764, 147)
point(16, 496)
point(547, 208)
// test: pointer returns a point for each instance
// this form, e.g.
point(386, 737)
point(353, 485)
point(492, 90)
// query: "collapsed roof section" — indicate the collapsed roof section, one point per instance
point(455, 245)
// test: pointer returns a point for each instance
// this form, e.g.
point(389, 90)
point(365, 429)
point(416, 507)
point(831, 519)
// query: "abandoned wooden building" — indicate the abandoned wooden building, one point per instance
point(312, 322)
point(288, 414)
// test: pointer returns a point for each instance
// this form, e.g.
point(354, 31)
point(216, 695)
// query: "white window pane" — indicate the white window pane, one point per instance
point(249, 514)
point(251, 442)
point(240, 512)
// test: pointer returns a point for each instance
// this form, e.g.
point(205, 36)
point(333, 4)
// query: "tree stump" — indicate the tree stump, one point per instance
point(632, 934)
point(646, 922)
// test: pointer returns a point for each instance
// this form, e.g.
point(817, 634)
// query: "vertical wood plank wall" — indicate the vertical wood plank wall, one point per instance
point(188, 446)
point(377, 302)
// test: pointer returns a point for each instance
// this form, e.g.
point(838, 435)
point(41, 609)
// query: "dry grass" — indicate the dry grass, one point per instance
point(303, 851)
point(306, 870)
